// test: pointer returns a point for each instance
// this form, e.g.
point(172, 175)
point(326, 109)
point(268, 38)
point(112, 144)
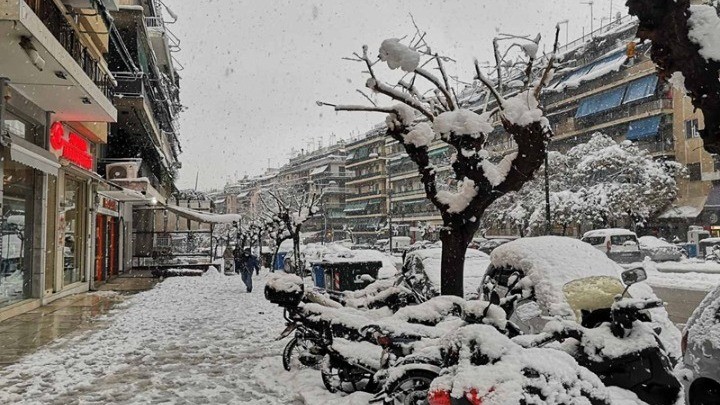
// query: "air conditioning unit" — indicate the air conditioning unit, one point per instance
point(124, 170)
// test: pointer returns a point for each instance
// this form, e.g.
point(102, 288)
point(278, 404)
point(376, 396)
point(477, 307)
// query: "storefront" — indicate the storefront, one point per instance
point(107, 239)
point(73, 218)
point(28, 171)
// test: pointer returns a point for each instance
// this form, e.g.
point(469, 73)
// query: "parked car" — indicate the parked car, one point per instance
point(701, 352)
point(422, 270)
point(619, 244)
point(488, 245)
point(659, 250)
point(538, 269)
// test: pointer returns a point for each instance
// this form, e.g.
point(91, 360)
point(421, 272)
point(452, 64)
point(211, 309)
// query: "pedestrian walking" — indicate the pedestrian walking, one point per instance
point(245, 263)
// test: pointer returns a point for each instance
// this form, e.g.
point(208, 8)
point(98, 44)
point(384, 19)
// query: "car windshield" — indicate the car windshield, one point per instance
point(594, 240)
point(592, 293)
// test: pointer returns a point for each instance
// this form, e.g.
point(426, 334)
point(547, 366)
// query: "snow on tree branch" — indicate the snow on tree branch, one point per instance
point(479, 181)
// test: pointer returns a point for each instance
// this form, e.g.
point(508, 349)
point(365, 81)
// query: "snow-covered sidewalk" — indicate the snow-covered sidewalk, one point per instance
point(190, 340)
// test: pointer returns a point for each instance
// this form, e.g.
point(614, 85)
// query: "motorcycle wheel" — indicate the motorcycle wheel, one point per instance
point(344, 380)
point(296, 355)
point(410, 389)
point(329, 378)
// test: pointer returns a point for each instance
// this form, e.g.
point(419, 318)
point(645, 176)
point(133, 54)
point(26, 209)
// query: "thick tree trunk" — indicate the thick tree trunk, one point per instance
point(296, 254)
point(452, 266)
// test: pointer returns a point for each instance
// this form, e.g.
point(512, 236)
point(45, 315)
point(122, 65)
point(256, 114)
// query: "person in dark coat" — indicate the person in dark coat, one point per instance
point(245, 263)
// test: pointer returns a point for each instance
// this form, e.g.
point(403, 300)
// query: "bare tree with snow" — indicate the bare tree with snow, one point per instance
point(479, 182)
point(285, 211)
point(686, 49)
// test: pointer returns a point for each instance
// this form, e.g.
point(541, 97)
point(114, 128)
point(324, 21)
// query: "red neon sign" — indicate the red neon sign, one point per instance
point(71, 146)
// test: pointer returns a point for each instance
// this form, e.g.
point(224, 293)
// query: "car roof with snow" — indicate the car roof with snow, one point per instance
point(550, 262)
point(608, 232)
point(476, 263)
point(653, 242)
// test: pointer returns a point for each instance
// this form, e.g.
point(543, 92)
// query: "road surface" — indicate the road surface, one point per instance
point(680, 303)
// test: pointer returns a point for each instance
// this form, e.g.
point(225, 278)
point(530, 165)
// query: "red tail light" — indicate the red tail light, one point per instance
point(441, 397)
point(383, 340)
point(473, 397)
point(683, 342)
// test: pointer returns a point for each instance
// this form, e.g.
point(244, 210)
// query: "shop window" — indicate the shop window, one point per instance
point(17, 224)
point(694, 171)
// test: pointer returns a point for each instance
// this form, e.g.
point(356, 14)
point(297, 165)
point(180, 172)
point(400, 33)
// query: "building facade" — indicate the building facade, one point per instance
point(55, 106)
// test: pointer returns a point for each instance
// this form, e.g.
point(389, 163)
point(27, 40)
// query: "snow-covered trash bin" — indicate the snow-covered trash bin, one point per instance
point(285, 290)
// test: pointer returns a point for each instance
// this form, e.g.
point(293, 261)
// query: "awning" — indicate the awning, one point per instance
point(356, 206)
point(603, 66)
point(684, 208)
point(601, 102)
point(641, 88)
point(204, 217)
point(34, 156)
point(318, 170)
point(125, 195)
point(644, 128)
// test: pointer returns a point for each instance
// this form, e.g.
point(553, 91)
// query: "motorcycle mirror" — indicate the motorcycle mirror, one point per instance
point(633, 276)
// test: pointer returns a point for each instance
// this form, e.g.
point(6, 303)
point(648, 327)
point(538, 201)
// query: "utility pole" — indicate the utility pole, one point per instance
point(590, 3)
point(547, 192)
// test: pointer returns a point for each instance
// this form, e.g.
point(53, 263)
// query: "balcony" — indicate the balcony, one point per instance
point(140, 108)
point(62, 63)
point(328, 175)
point(162, 40)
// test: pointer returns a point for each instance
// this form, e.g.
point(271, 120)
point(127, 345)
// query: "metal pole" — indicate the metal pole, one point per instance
point(547, 192)
point(389, 208)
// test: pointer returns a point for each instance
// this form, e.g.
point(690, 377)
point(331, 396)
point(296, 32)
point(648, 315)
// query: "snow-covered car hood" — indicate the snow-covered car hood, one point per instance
point(550, 262)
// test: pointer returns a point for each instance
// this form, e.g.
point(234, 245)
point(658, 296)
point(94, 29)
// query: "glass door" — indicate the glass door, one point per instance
point(74, 239)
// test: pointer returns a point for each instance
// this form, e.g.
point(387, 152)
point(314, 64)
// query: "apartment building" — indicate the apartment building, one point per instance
point(610, 86)
point(143, 148)
point(366, 205)
point(55, 107)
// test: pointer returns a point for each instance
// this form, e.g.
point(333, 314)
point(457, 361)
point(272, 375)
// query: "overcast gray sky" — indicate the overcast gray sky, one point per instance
point(253, 69)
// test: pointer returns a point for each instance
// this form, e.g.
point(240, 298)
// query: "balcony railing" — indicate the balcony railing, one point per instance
point(366, 194)
point(58, 25)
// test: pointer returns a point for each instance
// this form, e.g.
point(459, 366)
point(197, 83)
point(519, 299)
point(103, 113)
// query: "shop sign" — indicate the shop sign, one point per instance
point(108, 207)
point(71, 146)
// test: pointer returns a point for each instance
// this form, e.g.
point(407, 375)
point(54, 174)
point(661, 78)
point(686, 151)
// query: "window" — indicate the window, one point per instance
point(594, 240)
point(691, 129)
point(694, 171)
point(619, 240)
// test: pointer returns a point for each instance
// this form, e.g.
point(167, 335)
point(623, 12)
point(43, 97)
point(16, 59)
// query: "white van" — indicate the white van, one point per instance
point(619, 244)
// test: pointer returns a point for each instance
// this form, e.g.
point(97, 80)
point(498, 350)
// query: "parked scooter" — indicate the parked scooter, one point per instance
point(619, 345)
point(352, 365)
point(306, 348)
point(407, 380)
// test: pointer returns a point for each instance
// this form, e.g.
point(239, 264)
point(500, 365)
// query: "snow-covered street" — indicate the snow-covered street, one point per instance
point(190, 340)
